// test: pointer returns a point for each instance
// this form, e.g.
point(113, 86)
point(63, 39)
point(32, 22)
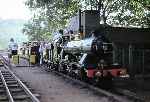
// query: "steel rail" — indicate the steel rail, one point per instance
point(28, 92)
point(7, 89)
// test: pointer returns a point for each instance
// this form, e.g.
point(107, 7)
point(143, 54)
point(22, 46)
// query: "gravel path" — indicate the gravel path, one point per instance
point(54, 88)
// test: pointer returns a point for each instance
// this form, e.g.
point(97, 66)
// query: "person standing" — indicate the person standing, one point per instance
point(13, 48)
point(41, 50)
point(52, 52)
point(49, 51)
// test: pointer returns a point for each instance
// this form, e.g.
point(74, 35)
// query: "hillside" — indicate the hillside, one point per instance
point(11, 29)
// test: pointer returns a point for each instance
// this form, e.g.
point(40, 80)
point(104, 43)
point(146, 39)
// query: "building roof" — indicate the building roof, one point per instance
point(128, 35)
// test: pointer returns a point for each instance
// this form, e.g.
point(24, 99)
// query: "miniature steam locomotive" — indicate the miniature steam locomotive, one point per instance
point(88, 59)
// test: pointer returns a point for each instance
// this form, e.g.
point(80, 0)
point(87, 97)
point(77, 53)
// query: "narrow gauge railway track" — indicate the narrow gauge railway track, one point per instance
point(12, 89)
point(115, 95)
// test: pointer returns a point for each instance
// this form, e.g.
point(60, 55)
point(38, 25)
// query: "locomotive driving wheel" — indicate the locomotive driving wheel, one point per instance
point(82, 74)
point(97, 78)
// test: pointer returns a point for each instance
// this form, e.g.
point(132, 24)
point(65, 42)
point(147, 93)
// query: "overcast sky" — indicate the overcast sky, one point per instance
point(14, 9)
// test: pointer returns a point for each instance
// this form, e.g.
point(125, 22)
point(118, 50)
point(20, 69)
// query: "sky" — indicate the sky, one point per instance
point(14, 9)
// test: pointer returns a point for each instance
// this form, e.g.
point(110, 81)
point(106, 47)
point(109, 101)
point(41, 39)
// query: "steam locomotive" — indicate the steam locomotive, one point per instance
point(88, 59)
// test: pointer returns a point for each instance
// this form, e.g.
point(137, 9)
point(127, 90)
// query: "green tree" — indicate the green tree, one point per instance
point(121, 12)
point(37, 29)
point(54, 14)
point(142, 11)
